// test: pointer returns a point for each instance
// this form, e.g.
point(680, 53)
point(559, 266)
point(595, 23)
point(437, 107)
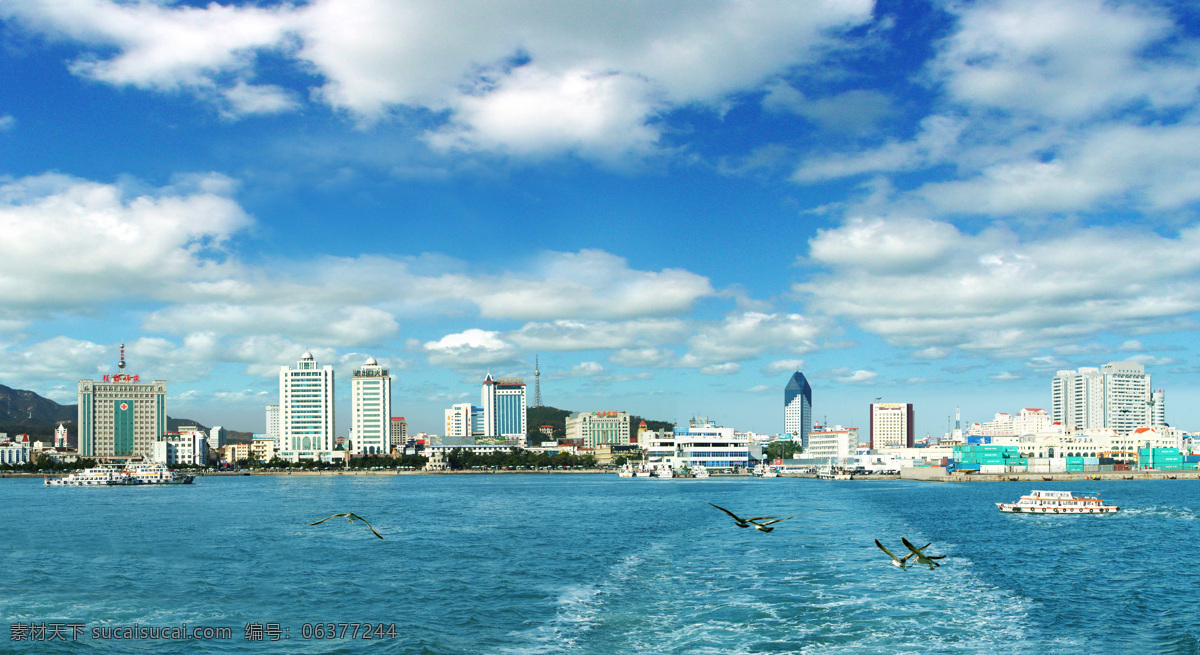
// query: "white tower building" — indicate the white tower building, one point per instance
point(1158, 409)
point(306, 408)
point(371, 409)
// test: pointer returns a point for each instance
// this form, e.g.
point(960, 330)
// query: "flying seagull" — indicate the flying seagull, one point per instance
point(352, 517)
point(896, 561)
point(745, 523)
point(922, 558)
point(763, 527)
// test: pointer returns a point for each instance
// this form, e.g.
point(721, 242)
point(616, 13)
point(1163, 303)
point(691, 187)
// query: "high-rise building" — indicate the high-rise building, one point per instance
point(306, 408)
point(797, 408)
point(399, 431)
point(273, 423)
point(891, 425)
point(1158, 409)
point(1116, 396)
point(1126, 396)
point(121, 416)
point(1077, 399)
point(504, 407)
point(371, 409)
point(217, 436)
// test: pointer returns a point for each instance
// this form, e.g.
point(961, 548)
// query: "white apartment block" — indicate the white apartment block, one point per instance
point(1115, 396)
point(1077, 399)
point(217, 437)
point(371, 409)
point(593, 428)
point(458, 420)
point(399, 431)
point(262, 447)
point(891, 425)
point(273, 422)
point(1126, 396)
point(1158, 408)
point(306, 410)
point(187, 448)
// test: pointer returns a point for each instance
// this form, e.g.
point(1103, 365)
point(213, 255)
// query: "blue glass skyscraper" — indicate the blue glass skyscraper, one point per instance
point(797, 408)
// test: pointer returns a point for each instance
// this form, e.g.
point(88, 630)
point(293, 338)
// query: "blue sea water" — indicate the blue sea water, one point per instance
point(524, 564)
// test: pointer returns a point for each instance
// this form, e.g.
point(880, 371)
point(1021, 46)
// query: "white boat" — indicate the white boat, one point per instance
point(155, 474)
point(1057, 502)
point(764, 471)
point(833, 474)
point(664, 471)
point(625, 471)
point(643, 472)
point(699, 471)
point(104, 475)
point(110, 475)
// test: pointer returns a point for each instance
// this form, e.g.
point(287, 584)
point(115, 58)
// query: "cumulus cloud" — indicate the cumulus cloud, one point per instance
point(728, 368)
point(522, 79)
point(73, 242)
point(1067, 60)
point(469, 350)
point(745, 335)
point(999, 294)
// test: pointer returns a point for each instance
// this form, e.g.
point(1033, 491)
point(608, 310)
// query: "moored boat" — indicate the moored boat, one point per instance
point(700, 472)
point(1057, 502)
point(110, 475)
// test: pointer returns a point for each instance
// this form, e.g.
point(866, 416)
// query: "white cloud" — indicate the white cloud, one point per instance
point(1067, 59)
point(936, 140)
point(328, 324)
point(745, 335)
point(728, 368)
point(72, 243)
point(470, 350)
point(1004, 376)
point(783, 366)
point(1000, 295)
point(526, 79)
point(566, 335)
point(585, 369)
point(849, 376)
point(7, 122)
point(650, 357)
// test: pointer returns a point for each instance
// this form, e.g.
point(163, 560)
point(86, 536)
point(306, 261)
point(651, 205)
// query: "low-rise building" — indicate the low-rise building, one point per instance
point(262, 447)
point(181, 449)
point(594, 428)
point(236, 452)
point(702, 443)
point(16, 451)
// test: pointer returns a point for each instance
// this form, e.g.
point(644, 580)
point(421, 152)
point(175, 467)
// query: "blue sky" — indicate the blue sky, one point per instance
point(673, 204)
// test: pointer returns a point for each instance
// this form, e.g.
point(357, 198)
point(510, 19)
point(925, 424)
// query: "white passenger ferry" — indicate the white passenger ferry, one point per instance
point(110, 475)
point(1057, 502)
point(105, 475)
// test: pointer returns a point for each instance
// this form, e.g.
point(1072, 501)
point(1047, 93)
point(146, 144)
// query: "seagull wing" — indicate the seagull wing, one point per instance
point(935, 556)
point(762, 518)
point(368, 526)
point(735, 516)
point(915, 551)
point(754, 521)
point(326, 519)
point(884, 549)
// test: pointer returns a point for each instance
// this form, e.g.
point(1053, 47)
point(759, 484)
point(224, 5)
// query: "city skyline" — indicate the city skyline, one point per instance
point(671, 208)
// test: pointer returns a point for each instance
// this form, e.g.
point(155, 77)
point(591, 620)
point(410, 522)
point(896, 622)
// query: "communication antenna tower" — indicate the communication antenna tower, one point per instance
point(537, 383)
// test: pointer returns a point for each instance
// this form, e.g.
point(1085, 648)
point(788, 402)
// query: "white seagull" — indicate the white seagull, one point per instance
point(896, 561)
point(762, 527)
point(745, 523)
point(922, 558)
point(352, 517)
